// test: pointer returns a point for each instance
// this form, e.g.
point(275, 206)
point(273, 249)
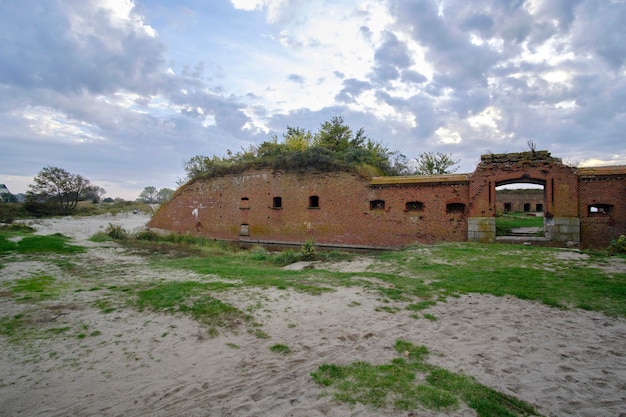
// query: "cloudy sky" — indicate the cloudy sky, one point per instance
point(124, 91)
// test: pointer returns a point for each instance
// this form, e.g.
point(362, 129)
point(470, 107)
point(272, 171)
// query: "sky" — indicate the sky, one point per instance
point(123, 92)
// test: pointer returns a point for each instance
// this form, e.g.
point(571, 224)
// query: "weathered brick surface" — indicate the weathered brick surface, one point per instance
point(560, 182)
point(214, 208)
point(241, 207)
point(598, 229)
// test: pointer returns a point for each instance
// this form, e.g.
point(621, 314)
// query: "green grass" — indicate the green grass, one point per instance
point(505, 223)
point(280, 348)
point(55, 243)
point(193, 299)
point(12, 325)
point(527, 272)
point(35, 288)
point(397, 385)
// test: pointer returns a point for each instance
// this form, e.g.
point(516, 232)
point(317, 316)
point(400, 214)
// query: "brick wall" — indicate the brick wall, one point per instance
point(602, 209)
point(346, 209)
point(350, 211)
point(560, 182)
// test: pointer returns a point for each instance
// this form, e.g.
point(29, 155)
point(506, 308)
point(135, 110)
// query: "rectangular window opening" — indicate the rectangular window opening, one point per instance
point(244, 230)
point(599, 210)
point(414, 206)
point(314, 201)
point(244, 204)
point(277, 202)
point(507, 207)
point(377, 204)
point(455, 208)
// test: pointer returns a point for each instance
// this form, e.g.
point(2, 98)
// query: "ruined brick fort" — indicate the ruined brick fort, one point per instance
point(582, 207)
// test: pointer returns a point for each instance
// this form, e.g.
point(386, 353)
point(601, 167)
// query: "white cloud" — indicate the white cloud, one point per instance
point(488, 118)
point(448, 136)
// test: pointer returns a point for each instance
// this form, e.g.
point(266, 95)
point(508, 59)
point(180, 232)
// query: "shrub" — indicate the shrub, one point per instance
point(10, 211)
point(116, 232)
point(308, 250)
point(148, 235)
point(259, 253)
point(618, 246)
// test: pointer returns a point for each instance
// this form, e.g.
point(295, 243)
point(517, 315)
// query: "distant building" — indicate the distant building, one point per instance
point(5, 194)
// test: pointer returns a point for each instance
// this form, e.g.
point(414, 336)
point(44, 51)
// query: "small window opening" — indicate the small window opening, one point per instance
point(539, 208)
point(414, 206)
point(526, 207)
point(377, 204)
point(314, 201)
point(277, 202)
point(244, 204)
point(455, 208)
point(244, 230)
point(507, 207)
point(599, 210)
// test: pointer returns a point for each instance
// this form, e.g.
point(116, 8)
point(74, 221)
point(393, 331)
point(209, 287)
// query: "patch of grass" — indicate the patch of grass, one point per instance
point(526, 272)
point(27, 244)
point(11, 325)
point(428, 273)
point(506, 222)
point(396, 384)
point(422, 305)
point(56, 243)
point(280, 348)
point(104, 306)
point(430, 317)
point(35, 288)
point(260, 334)
point(58, 330)
point(191, 297)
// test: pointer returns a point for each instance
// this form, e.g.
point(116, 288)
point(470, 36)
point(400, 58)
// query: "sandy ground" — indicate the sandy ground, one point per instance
point(565, 363)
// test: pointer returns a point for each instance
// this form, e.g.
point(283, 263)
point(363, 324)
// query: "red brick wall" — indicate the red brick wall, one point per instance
point(560, 182)
point(213, 208)
point(598, 229)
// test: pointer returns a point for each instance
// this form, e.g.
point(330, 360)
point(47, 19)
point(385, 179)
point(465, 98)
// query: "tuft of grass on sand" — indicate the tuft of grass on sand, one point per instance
point(397, 385)
point(280, 348)
point(35, 288)
point(191, 298)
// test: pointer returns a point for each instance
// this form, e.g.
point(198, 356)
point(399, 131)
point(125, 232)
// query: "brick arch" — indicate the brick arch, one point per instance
point(559, 181)
point(535, 181)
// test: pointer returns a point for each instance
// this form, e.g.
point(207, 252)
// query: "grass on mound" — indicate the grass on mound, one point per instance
point(409, 383)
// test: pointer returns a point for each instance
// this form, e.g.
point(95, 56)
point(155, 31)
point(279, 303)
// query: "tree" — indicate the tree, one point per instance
point(429, 163)
point(56, 184)
point(148, 195)
point(297, 139)
point(335, 135)
point(164, 194)
point(95, 193)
